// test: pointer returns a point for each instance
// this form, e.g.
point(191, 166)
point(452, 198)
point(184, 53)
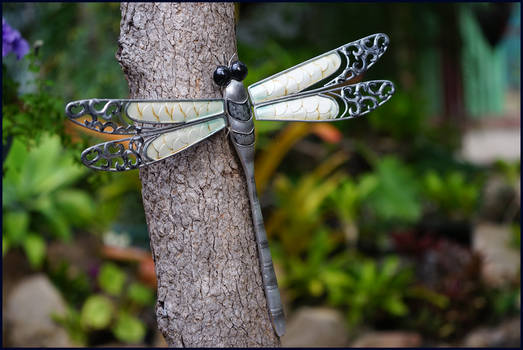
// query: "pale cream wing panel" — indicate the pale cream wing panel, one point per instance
point(167, 112)
point(311, 108)
point(169, 143)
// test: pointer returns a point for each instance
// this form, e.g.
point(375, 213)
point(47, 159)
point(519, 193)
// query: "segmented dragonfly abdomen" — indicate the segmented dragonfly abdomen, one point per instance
point(295, 80)
point(173, 112)
point(244, 140)
point(241, 123)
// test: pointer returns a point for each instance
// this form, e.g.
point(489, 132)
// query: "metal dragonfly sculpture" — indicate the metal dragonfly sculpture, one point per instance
point(317, 90)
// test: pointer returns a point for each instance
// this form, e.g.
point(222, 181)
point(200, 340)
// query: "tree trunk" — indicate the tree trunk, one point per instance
point(202, 239)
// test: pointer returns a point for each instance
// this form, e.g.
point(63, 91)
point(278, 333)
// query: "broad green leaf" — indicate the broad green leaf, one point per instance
point(55, 166)
point(316, 287)
point(5, 245)
point(75, 204)
point(367, 184)
point(111, 279)
point(16, 157)
point(35, 249)
point(368, 274)
point(396, 194)
point(129, 329)
point(96, 312)
point(72, 323)
point(58, 222)
point(395, 306)
point(16, 224)
point(390, 267)
point(140, 294)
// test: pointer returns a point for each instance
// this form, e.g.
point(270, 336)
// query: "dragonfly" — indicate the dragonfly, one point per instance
point(317, 90)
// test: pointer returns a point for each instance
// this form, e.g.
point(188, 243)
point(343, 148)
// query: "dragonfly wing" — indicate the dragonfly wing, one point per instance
point(128, 117)
point(331, 68)
point(140, 150)
point(339, 103)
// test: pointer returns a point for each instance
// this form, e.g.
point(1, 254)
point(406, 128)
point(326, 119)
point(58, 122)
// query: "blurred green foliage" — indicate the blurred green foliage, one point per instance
point(452, 194)
point(129, 329)
point(96, 312)
point(27, 116)
point(84, 67)
point(369, 288)
point(39, 197)
point(392, 193)
point(509, 170)
point(360, 286)
point(115, 307)
point(300, 209)
point(111, 279)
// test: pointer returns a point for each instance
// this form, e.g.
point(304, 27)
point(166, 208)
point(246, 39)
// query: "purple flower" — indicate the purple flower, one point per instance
point(12, 41)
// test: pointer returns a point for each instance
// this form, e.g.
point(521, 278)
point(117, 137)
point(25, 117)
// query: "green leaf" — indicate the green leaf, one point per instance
point(71, 322)
point(111, 279)
point(58, 222)
point(16, 224)
point(77, 205)
point(34, 246)
point(395, 306)
point(396, 194)
point(129, 329)
point(368, 275)
point(390, 267)
point(5, 245)
point(49, 169)
point(140, 294)
point(316, 287)
point(16, 157)
point(96, 312)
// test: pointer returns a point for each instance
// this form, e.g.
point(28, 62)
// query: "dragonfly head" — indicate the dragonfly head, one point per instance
point(230, 78)
point(223, 74)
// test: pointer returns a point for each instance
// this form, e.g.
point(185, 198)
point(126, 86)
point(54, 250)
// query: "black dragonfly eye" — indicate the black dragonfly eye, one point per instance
point(222, 75)
point(238, 70)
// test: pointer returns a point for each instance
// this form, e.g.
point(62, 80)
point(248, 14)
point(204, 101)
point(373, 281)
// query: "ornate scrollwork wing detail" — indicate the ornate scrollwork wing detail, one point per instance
point(365, 97)
point(119, 155)
point(107, 118)
point(360, 56)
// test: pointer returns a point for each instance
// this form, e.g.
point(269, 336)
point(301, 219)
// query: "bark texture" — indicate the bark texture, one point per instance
point(209, 285)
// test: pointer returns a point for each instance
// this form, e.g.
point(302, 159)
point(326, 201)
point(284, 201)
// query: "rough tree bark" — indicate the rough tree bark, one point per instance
point(209, 285)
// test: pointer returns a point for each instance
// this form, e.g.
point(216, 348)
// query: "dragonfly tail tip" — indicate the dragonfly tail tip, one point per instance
point(279, 327)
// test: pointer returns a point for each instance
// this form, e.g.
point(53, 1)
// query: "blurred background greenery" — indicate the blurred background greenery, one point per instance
point(403, 225)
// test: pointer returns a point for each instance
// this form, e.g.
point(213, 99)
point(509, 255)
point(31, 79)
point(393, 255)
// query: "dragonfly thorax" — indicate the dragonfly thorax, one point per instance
point(235, 92)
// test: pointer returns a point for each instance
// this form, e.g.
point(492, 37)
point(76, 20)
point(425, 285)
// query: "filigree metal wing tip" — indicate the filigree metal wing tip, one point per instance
point(365, 97)
point(360, 55)
point(101, 115)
